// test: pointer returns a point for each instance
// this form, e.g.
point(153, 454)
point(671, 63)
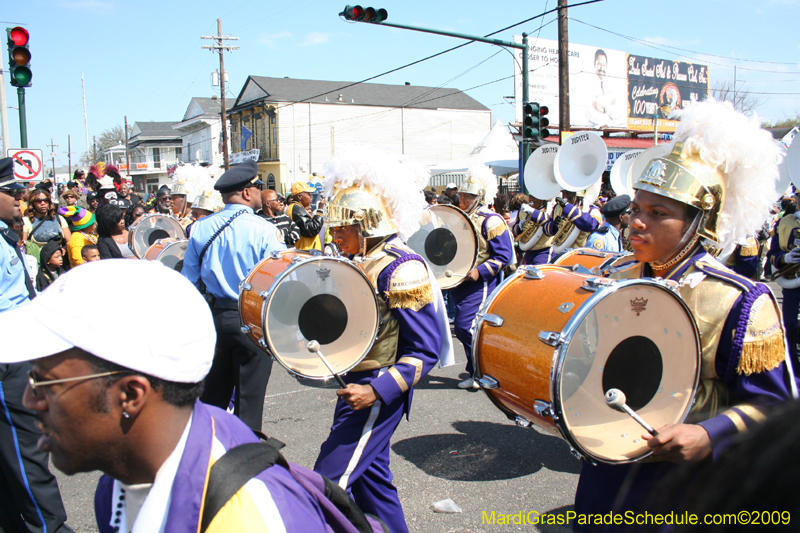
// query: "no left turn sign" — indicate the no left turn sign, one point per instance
point(27, 163)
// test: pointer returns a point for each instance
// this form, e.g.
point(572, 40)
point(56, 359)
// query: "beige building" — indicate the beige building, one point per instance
point(291, 127)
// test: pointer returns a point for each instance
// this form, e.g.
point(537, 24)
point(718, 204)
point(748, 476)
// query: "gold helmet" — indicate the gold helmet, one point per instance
point(358, 205)
point(182, 187)
point(683, 176)
point(210, 200)
point(481, 182)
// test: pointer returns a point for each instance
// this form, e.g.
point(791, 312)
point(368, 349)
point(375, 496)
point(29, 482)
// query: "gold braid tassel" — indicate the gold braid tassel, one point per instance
point(748, 251)
point(491, 233)
point(761, 355)
point(414, 299)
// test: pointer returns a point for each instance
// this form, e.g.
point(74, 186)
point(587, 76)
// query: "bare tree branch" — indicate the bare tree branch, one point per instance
point(737, 94)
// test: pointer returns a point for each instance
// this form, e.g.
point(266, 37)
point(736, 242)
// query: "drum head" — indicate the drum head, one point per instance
point(636, 336)
point(447, 241)
point(325, 299)
point(150, 229)
point(172, 254)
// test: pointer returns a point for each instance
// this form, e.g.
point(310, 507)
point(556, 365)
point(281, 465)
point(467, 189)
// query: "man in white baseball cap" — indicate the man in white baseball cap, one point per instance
point(128, 404)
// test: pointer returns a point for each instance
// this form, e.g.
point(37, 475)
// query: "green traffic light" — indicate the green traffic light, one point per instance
point(21, 76)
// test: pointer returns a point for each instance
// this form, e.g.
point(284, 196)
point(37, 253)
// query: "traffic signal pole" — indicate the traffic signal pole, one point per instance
point(23, 127)
point(497, 42)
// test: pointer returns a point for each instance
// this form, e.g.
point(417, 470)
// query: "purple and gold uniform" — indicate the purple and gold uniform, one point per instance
point(495, 252)
point(575, 225)
point(743, 373)
point(356, 453)
point(539, 253)
point(787, 237)
point(271, 501)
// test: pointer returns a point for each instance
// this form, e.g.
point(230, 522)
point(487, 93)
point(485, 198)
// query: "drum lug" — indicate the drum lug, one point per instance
point(578, 455)
point(493, 320)
point(522, 422)
point(592, 284)
point(565, 307)
point(264, 295)
point(531, 272)
point(488, 382)
point(544, 409)
point(262, 343)
point(246, 330)
point(297, 259)
point(550, 337)
point(246, 286)
point(275, 255)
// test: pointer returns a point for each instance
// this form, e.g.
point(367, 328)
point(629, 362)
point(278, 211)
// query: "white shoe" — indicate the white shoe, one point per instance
point(468, 383)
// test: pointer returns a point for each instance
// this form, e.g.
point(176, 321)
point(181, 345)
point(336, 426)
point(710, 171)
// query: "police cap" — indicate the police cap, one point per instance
point(237, 178)
point(616, 206)
point(7, 180)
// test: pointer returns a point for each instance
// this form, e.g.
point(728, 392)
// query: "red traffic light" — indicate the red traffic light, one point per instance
point(352, 13)
point(543, 110)
point(19, 36)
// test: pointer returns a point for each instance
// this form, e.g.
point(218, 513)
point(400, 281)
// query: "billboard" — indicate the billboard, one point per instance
point(609, 89)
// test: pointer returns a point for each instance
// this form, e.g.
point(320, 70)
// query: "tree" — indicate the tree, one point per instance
point(787, 122)
point(736, 92)
point(107, 139)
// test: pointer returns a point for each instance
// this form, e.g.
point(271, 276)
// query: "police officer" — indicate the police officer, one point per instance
point(30, 498)
point(223, 248)
point(608, 237)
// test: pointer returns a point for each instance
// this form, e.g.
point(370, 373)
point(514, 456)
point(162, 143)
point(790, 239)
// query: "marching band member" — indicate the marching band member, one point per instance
point(608, 237)
point(570, 219)
point(375, 200)
point(784, 251)
point(532, 218)
point(495, 252)
point(711, 186)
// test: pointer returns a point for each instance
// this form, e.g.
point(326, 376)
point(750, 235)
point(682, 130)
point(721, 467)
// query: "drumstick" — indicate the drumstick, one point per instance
point(615, 399)
point(313, 346)
point(450, 274)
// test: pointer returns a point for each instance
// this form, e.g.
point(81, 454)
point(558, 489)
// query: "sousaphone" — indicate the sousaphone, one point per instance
point(787, 277)
point(619, 173)
point(540, 181)
point(579, 166)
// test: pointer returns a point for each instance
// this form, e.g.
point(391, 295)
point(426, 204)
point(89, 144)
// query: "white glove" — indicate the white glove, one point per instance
point(527, 209)
point(793, 257)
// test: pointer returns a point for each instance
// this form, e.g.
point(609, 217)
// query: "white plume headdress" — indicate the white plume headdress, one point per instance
point(396, 180)
point(192, 180)
point(480, 178)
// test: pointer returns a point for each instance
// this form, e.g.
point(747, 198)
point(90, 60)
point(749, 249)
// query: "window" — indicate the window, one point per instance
point(178, 152)
point(156, 157)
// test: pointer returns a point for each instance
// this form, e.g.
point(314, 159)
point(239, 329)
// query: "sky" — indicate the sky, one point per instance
point(144, 59)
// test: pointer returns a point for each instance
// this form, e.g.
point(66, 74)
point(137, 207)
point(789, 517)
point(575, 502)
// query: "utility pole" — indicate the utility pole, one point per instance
point(127, 149)
point(563, 69)
point(69, 155)
point(53, 156)
point(94, 148)
point(85, 120)
point(4, 113)
point(221, 48)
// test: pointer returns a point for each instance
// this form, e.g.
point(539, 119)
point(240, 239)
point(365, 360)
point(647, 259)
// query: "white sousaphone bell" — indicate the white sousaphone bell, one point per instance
point(618, 177)
point(540, 181)
point(579, 166)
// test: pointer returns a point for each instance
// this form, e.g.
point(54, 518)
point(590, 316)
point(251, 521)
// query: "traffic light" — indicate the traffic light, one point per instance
point(19, 57)
point(358, 13)
point(534, 125)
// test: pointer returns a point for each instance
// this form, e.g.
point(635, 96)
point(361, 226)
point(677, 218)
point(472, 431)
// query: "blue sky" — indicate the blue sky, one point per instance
point(144, 59)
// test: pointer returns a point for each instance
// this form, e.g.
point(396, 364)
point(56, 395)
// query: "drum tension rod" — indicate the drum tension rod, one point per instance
point(616, 399)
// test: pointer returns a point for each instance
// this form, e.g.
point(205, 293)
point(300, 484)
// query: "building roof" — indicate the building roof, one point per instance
point(205, 107)
point(158, 132)
point(619, 142)
point(261, 89)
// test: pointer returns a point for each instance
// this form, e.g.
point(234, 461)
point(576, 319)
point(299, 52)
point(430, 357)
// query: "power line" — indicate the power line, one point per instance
point(658, 47)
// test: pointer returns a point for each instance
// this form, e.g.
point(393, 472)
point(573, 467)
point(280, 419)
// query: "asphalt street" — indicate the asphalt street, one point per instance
point(456, 445)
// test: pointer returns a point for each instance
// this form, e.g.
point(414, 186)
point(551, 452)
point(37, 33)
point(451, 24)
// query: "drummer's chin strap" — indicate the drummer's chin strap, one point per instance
point(681, 249)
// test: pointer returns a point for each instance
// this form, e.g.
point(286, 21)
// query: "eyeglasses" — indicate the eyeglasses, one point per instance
point(33, 382)
point(37, 200)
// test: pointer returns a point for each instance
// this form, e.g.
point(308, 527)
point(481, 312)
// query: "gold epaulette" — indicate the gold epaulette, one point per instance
point(764, 347)
point(495, 227)
point(596, 214)
point(410, 286)
point(749, 249)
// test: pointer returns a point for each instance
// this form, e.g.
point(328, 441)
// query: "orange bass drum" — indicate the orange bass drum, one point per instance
point(550, 342)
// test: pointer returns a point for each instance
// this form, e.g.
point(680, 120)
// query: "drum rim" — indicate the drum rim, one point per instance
point(145, 217)
point(438, 207)
point(168, 245)
point(569, 331)
point(270, 292)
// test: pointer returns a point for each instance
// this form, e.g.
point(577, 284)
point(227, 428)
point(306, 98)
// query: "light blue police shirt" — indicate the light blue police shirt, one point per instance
point(13, 291)
point(606, 242)
point(233, 254)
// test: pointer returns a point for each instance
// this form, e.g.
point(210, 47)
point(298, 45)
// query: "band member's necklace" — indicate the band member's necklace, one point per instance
point(662, 267)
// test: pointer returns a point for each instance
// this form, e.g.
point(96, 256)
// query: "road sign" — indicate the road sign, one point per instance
point(27, 163)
